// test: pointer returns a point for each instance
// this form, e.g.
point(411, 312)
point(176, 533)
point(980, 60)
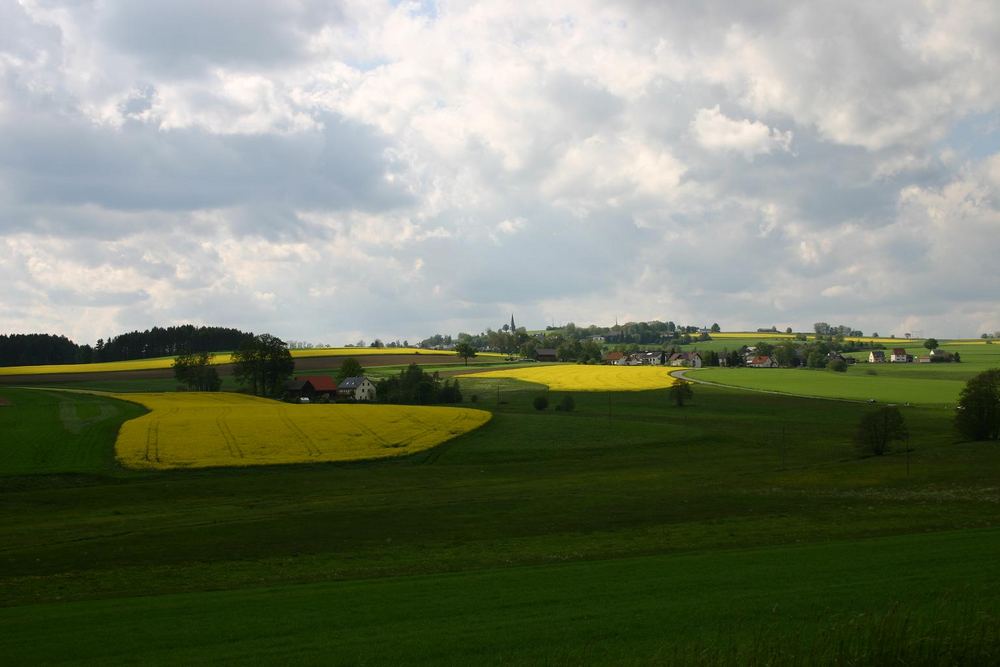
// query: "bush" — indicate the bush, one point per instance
point(567, 404)
point(474, 398)
point(540, 402)
point(838, 365)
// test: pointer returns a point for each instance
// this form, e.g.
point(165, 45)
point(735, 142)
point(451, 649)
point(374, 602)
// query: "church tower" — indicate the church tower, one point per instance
point(512, 327)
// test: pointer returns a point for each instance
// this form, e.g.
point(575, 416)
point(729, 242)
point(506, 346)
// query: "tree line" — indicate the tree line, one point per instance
point(28, 349)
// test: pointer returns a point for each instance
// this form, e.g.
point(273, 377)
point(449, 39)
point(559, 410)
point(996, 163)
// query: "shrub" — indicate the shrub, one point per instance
point(838, 365)
point(540, 402)
point(567, 404)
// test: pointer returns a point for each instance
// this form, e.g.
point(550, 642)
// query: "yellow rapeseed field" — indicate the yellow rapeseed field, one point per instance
point(220, 358)
point(201, 430)
point(589, 378)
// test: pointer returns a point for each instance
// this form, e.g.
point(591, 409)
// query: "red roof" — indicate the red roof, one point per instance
point(319, 382)
point(898, 351)
point(614, 356)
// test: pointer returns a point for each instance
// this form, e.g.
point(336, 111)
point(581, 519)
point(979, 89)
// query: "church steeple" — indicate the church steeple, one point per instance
point(512, 327)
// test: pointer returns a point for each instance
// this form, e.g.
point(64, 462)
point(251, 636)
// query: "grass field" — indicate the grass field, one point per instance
point(59, 432)
point(740, 529)
point(200, 430)
point(573, 377)
point(853, 385)
point(931, 384)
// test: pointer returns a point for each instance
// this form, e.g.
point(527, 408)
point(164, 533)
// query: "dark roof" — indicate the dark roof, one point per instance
point(353, 382)
point(318, 382)
point(878, 353)
point(295, 385)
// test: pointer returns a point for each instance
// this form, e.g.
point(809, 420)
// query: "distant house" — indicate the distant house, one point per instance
point(546, 354)
point(763, 361)
point(653, 358)
point(358, 388)
point(876, 357)
point(689, 359)
point(924, 360)
point(312, 387)
point(614, 358)
point(899, 356)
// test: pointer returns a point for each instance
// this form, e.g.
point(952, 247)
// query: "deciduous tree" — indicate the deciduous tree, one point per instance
point(465, 351)
point(978, 413)
point(680, 392)
point(263, 364)
point(879, 429)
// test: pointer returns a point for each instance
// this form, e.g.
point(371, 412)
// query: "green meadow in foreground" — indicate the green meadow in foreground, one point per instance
point(741, 528)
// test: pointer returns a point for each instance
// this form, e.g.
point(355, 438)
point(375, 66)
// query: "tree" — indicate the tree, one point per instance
point(838, 365)
point(566, 404)
point(716, 328)
point(540, 402)
point(931, 343)
point(788, 330)
point(978, 414)
point(878, 429)
point(197, 372)
point(681, 391)
point(264, 364)
point(466, 351)
point(349, 368)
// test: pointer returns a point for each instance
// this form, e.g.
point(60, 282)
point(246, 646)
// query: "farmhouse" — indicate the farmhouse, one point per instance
point(876, 357)
point(312, 387)
point(546, 354)
point(763, 361)
point(358, 388)
point(899, 356)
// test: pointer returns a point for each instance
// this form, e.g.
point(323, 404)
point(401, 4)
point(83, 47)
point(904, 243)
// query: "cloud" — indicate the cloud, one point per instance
point(715, 131)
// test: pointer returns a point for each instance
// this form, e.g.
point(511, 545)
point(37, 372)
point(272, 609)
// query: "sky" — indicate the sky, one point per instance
point(335, 171)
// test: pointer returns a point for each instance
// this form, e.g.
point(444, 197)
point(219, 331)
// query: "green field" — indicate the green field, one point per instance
point(743, 527)
point(929, 384)
point(59, 432)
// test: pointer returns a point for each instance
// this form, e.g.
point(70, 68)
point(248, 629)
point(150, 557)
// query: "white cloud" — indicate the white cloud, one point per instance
point(716, 131)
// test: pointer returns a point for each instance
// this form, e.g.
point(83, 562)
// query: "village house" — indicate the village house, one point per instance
point(876, 357)
point(762, 361)
point(358, 388)
point(688, 359)
point(899, 356)
point(615, 358)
